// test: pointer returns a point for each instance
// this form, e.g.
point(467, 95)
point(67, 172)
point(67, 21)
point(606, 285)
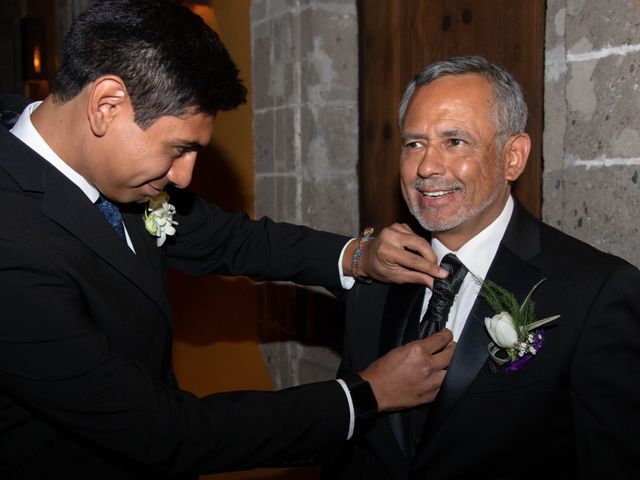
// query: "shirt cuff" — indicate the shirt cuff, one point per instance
point(352, 413)
point(347, 282)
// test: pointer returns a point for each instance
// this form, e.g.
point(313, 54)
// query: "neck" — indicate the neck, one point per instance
point(57, 123)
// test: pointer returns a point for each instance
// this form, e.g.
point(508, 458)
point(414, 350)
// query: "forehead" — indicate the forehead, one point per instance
point(466, 97)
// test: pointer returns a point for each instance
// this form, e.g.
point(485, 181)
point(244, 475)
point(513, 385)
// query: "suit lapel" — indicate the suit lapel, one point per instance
point(381, 440)
point(67, 205)
point(509, 269)
point(402, 304)
point(147, 250)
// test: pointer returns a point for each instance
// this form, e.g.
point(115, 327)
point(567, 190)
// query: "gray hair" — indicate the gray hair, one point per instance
point(509, 112)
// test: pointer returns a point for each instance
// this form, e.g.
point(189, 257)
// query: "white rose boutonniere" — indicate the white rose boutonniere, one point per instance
point(158, 217)
point(516, 334)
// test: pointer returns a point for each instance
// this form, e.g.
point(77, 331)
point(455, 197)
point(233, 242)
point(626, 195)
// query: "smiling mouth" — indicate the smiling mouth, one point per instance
point(438, 193)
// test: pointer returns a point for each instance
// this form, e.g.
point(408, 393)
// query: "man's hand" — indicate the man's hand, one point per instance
point(396, 255)
point(411, 375)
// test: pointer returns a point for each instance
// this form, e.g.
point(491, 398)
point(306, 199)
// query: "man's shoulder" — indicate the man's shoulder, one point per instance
point(14, 102)
point(11, 106)
point(568, 250)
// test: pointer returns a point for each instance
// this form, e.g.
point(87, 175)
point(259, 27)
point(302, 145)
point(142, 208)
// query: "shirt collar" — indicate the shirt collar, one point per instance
point(478, 253)
point(27, 133)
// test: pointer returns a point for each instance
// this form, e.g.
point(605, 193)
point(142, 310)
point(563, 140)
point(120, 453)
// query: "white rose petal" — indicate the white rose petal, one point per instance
point(502, 330)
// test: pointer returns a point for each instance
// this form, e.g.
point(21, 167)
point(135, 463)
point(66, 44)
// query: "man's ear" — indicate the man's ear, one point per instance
point(108, 98)
point(516, 153)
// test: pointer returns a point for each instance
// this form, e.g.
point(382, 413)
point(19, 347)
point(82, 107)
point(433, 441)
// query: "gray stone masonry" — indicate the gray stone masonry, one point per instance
point(591, 145)
point(305, 80)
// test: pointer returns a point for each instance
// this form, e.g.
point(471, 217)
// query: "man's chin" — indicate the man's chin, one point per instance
point(434, 224)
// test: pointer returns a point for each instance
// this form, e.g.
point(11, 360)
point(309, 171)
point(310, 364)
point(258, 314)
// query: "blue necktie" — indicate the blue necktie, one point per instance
point(112, 214)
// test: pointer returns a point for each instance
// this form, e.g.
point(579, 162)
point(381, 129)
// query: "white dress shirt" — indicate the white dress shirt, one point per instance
point(477, 255)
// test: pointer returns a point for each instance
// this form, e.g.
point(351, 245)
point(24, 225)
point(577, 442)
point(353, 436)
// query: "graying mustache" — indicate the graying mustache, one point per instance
point(427, 184)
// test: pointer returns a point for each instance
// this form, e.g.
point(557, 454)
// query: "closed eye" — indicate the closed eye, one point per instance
point(188, 148)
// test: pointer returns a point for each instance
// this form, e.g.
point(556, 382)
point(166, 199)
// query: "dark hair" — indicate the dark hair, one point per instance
point(172, 63)
point(509, 110)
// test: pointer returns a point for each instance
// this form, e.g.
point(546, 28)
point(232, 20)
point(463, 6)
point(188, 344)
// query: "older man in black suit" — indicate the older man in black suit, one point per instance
point(559, 400)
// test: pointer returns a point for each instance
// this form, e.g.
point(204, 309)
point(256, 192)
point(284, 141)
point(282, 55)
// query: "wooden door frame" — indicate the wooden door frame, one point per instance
point(512, 36)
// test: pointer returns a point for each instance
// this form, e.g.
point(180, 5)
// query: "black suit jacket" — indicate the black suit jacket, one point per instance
point(572, 412)
point(86, 384)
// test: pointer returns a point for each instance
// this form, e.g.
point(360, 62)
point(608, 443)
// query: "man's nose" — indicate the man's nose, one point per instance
point(431, 162)
point(181, 170)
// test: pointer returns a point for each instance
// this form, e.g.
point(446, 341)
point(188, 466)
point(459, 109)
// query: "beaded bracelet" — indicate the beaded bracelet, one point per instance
point(367, 234)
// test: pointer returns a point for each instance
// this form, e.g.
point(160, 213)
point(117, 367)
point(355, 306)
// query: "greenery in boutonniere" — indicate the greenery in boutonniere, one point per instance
point(517, 335)
point(158, 217)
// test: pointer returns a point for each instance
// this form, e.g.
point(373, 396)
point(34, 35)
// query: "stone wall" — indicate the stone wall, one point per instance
point(305, 75)
point(591, 146)
point(305, 87)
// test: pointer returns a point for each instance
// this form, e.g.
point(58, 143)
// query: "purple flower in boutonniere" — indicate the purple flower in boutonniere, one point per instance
point(537, 340)
point(515, 333)
point(158, 217)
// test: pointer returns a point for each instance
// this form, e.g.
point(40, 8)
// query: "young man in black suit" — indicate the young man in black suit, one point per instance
point(86, 384)
point(561, 403)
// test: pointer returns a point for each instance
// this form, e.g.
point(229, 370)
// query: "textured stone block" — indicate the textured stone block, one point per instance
point(286, 140)
point(277, 197)
point(258, 10)
point(555, 109)
point(317, 363)
point(280, 7)
point(330, 56)
point(603, 23)
point(328, 204)
point(263, 145)
point(261, 66)
point(597, 205)
point(329, 141)
point(603, 116)
point(285, 31)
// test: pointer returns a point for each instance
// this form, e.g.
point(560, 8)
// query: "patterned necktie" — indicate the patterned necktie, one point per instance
point(435, 318)
point(112, 213)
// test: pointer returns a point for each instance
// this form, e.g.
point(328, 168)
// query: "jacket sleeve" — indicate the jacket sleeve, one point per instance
point(61, 377)
point(212, 241)
point(606, 379)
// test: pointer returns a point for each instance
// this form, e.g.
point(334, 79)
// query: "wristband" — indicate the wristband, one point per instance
point(364, 401)
point(367, 234)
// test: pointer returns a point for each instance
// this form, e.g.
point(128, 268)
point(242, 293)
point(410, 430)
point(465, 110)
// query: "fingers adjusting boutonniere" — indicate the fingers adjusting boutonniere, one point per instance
point(517, 335)
point(158, 217)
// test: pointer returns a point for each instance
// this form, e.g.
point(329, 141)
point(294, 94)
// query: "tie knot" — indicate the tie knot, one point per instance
point(457, 272)
point(443, 293)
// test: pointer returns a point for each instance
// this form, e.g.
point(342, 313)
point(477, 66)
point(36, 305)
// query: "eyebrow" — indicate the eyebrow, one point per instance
point(452, 133)
point(455, 133)
point(412, 135)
